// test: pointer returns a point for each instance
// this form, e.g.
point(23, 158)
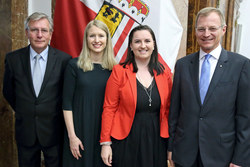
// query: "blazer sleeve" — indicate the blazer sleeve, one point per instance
point(70, 77)
point(9, 83)
point(111, 103)
point(174, 106)
point(170, 86)
point(242, 118)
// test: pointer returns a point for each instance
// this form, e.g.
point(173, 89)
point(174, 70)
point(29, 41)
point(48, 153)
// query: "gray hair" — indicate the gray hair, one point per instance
point(38, 16)
point(206, 11)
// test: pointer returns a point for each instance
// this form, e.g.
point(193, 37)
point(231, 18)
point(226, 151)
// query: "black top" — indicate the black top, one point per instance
point(143, 146)
point(84, 95)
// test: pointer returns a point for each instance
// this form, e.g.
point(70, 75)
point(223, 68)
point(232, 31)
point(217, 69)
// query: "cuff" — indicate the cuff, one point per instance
point(108, 143)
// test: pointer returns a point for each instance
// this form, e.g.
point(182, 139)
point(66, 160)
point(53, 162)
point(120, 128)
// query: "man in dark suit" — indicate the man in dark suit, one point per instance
point(209, 117)
point(33, 88)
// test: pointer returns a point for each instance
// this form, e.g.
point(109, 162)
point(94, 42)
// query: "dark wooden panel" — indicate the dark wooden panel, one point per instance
point(193, 8)
point(7, 142)
point(229, 16)
point(12, 37)
point(53, 4)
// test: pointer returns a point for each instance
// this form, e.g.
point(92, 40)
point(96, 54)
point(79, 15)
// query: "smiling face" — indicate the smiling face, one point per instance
point(97, 40)
point(142, 45)
point(39, 34)
point(209, 31)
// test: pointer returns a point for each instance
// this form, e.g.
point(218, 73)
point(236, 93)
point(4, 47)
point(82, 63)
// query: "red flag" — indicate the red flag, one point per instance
point(70, 20)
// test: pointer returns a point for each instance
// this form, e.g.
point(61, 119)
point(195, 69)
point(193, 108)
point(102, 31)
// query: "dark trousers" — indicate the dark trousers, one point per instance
point(31, 156)
point(197, 162)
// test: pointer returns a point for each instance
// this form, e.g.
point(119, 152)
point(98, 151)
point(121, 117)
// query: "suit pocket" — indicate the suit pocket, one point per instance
point(225, 83)
point(227, 137)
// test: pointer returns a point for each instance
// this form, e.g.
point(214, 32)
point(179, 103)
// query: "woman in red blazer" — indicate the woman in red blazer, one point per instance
point(136, 106)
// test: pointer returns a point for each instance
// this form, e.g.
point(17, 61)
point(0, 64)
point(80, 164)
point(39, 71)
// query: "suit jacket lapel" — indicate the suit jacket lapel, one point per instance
point(52, 57)
point(25, 58)
point(219, 70)
point(194, 73)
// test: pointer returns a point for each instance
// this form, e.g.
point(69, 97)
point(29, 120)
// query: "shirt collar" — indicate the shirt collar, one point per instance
point(44, 53)
point(215, 53)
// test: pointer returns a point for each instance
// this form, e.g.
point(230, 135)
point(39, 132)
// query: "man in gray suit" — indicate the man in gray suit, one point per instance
point(32, 85)
point(209, 117)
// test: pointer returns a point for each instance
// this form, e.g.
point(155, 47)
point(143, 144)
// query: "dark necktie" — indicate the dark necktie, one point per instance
point(205, 77)
point(37, 75)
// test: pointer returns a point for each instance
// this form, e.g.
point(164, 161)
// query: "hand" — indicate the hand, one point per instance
point(75, 143)
point(171, 162)
point(233, 165)
point(106, 155)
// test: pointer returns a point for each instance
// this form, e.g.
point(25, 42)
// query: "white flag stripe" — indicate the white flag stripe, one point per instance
point(120, 29)
point(94, 5)
point(167, 29)
point(123, 47)
point(122, 50)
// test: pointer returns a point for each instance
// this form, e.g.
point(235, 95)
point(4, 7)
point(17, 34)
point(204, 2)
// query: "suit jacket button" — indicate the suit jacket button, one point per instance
point(201, 118)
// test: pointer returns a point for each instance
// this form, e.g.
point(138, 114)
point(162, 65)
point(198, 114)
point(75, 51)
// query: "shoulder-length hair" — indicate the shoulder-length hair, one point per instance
point(154, 63)
point(108, 61)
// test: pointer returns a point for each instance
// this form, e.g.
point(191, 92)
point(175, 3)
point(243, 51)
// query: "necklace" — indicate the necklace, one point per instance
point(149, 91)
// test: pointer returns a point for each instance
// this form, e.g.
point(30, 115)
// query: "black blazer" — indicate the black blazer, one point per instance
point(220, 127)
point(36, 117)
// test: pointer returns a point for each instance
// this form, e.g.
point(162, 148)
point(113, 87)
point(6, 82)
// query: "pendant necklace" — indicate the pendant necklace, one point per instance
point(149, 91)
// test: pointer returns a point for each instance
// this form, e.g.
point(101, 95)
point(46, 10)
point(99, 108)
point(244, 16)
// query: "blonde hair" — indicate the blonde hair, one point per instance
point(84, 60)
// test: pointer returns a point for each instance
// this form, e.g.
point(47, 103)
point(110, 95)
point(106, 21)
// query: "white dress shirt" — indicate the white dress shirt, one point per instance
point(213, 60)
point(42, 60)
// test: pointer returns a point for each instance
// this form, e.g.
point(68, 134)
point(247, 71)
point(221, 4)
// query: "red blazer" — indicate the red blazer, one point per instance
point(121, 98)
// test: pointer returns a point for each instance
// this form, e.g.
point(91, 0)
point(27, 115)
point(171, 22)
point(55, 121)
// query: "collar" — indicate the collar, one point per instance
point(215, 53)
point(44, 53)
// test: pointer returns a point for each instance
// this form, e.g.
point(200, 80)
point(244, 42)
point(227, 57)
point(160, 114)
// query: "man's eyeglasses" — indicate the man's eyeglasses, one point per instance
point(36, 31)
point(210, 29)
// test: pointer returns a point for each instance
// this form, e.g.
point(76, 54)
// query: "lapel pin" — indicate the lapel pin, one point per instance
point(221, 66)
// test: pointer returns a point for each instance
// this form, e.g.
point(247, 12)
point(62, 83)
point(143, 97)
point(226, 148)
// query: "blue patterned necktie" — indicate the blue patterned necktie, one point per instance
point(205, 77)
point(37, 75)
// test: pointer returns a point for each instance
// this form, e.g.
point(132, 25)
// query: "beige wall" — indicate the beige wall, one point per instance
point(181, 7)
